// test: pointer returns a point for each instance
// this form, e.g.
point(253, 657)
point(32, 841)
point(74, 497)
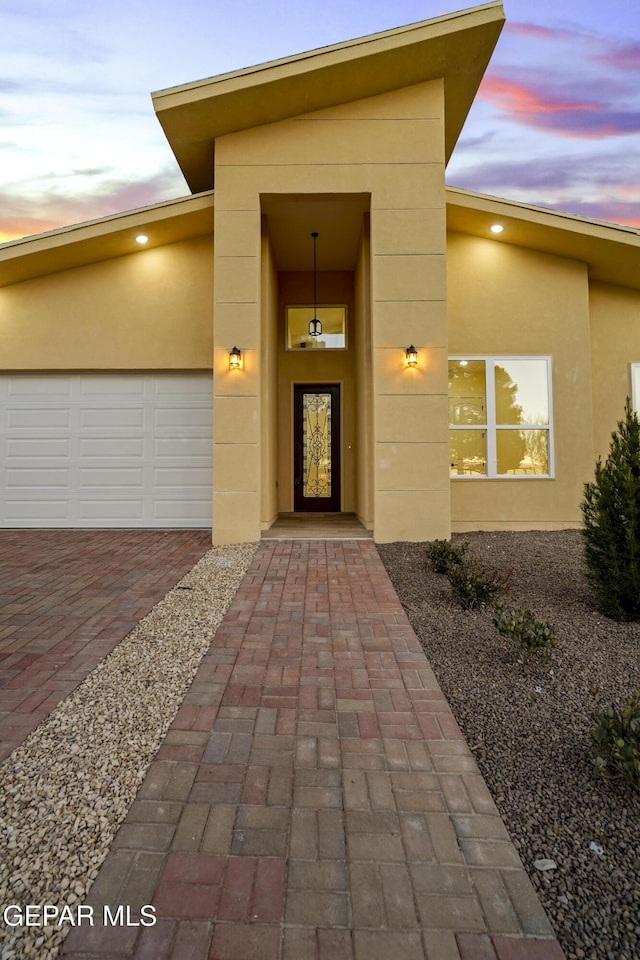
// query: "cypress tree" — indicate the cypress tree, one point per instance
point(611, 512)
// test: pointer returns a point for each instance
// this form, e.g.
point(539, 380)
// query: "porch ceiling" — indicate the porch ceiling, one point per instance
point(338, 221)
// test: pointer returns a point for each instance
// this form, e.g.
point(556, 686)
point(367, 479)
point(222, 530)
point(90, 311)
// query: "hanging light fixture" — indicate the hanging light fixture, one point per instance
point(315, 327)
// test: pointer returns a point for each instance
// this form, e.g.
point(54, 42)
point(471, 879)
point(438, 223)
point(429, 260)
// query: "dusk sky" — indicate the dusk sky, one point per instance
point(556, 122)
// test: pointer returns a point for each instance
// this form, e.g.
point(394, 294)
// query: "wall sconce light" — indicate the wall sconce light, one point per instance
point(411, 356)
point(235, 359)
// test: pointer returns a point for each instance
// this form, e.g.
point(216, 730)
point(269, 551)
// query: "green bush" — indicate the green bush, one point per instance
point(443, 554)
point(474, 586)
point(525, 628)
point(611, 512)
point(616, 740)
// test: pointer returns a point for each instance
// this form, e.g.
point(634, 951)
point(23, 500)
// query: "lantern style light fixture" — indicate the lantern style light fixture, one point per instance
point(411, 356)
point(315, 326)
point(235, 359)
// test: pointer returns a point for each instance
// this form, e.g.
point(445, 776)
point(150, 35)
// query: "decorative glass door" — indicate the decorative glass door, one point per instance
point(316, 456)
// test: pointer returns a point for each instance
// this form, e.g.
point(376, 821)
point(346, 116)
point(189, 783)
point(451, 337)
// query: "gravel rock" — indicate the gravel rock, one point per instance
point(528, 721)
point(65, 791)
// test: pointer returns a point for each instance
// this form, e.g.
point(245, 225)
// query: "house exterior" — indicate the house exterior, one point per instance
point(119, 401)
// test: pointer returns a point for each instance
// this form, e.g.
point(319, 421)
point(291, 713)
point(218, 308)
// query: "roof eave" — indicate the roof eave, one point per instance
point(103, 239)
point(611, 251)
point(457, 47)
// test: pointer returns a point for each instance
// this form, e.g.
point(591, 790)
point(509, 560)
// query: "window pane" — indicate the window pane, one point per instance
point(523, 452)
point(333, 336)
point(635, 386)
point(468, 452)
point(316, 445)
point(521, 391)
point(467, 392)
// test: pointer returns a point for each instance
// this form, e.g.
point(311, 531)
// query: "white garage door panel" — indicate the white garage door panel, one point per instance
point(21, 511)
point(106, 450)
point(112, 387)
point(116, 416)
point(116, 447)
point(116, 510)
point(36, 447)
point(38, 386)
point(111, 478)
point(32, 417)
point(26, 478)
point(177, 477)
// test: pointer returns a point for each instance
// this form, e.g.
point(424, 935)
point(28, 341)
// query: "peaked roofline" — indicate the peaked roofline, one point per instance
point(456, 47)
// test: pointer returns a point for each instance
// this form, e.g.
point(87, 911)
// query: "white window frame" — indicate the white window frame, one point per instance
point(635, 387)
point(491, 428)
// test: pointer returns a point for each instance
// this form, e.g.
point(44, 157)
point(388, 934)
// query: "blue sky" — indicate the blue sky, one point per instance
point(556, 122)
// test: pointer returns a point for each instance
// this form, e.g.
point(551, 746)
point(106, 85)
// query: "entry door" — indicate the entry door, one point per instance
point(316, 454)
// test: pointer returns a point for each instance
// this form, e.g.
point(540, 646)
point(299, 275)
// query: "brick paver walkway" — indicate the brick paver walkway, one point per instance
point(331, 810)
point(67, 597)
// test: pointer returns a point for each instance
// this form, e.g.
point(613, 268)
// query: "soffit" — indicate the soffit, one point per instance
point(456, 47)
point(104, 239)
point(611, 251)
point(337, 220)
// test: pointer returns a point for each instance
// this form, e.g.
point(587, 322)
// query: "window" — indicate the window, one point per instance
point(635, 387)
point(334, 328)
point(500, 417)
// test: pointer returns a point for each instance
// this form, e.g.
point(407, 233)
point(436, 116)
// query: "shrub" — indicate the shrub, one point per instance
point(616, 739)
point(611, 512)
point(474, 586)
point(443, 555)
point(523, 626)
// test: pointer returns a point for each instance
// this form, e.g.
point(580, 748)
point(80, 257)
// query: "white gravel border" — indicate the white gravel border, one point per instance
point(67, 788)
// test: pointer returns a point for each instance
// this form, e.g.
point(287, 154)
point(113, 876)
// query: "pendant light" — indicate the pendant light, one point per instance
point(315, 326)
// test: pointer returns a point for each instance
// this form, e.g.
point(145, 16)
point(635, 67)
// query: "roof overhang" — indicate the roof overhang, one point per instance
point(611, 251)
point(456, 47)
point(104, 239)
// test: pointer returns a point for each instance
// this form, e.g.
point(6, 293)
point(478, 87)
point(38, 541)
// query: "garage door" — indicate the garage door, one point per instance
point(105, 450)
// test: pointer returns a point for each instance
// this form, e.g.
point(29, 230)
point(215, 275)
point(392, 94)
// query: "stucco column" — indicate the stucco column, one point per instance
point(408, 270)
point(236, 393)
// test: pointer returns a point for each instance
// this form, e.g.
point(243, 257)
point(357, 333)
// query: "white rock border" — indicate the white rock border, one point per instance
point(67, 788)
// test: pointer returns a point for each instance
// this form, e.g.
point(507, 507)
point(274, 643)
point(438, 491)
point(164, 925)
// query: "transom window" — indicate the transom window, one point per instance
point(334, 328)
point(500, 417)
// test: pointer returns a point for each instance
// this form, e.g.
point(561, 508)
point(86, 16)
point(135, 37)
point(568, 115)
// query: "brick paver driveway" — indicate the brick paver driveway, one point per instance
point(314, 798)
point(67, 597)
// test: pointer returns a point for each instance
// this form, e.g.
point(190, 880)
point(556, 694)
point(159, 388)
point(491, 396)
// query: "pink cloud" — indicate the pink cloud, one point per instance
point(31, 215)
point(533, 106)
point(622, 56)
point(534, 30)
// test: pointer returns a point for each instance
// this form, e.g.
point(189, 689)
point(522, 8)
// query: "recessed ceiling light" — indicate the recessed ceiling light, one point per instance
point(143, 238)
point(497, 228)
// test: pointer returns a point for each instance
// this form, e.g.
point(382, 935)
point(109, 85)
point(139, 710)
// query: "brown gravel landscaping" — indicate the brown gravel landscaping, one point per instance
point(528, 721)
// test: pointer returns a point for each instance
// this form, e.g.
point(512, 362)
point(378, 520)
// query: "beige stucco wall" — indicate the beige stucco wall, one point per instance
point(615, 343)
point(391, 147)
point(507, 301)
point(363, 379)
point(150, 310)
point(269, 432)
